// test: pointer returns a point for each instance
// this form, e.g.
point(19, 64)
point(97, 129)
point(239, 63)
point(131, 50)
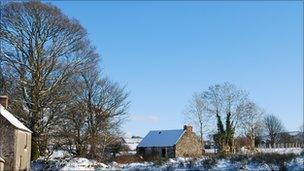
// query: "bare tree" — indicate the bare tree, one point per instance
point(252, 122)
point(93, 119)
point(273, 127)
point(43, 49)
point(197, 114)
point(226, 99)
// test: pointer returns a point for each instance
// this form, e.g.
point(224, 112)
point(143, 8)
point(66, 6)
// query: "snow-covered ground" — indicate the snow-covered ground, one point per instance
point(61, 160)
point(212, 150)
point(200, 164)
point(281, 150)
point(83, 164)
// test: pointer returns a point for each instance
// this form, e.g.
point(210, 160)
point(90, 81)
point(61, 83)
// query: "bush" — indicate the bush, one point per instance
point(159, 161)
point(209, 163)
point(191, 163)
point(129, 159)
point(302, 153)
point(221, 156)
point(273, 158)
point(239, 158)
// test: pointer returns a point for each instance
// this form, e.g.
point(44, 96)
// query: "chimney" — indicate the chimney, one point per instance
point(4, 101)
point(188, 128)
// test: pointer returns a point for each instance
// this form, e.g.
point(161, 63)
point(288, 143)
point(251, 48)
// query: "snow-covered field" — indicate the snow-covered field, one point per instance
point(200, 164)
point(281, 150)
point(61, 160)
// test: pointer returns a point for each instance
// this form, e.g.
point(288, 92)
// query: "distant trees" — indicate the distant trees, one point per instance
point(94, 116)
point(48, 68)
point(197, 114)
point(226, 101)
point(273, 127)
point(252, 122)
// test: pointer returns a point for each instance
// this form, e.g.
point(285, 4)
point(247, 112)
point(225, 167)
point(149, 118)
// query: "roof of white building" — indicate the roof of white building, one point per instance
point(12, 119)
point(161, 138)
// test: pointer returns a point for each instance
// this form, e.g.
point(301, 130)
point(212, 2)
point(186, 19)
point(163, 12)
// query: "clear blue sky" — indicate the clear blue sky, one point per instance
point(165, 51)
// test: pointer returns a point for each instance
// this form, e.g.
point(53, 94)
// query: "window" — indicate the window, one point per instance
point(26, 138)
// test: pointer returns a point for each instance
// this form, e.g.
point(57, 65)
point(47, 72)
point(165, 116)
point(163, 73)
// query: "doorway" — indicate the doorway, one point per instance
point(163, 152)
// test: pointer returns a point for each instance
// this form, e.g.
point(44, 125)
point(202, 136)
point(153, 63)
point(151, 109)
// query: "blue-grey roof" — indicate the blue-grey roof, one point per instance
point(161, 138)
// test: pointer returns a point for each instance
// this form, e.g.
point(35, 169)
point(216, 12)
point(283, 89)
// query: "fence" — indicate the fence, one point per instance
point(283, 145)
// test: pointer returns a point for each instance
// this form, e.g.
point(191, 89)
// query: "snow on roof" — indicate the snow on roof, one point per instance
point(161, 138)
point(12, 119)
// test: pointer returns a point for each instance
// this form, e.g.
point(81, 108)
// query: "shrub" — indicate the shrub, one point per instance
point(191, 163)
point(159, 161)
point(221, 156)
point(302, 153)
point(209, 163)
point(239, 158)
point(129, 159)
point(273, 158)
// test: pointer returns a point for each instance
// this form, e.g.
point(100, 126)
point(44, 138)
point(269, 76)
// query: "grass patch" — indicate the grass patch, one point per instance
point(129, 159)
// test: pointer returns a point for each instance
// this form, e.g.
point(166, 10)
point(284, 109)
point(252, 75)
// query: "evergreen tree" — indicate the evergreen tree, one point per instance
point(219, 137)
point(229, 130)
point(220, 126)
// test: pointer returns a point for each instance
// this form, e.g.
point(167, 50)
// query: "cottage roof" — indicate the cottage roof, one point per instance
point(161, 138)
point(12, 119)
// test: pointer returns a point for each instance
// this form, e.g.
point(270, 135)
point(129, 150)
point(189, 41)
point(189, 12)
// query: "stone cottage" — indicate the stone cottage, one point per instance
point(170, 144)
point(15, 140)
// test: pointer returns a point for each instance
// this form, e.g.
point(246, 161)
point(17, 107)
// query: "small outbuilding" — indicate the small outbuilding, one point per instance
point(170, 144)
point(15, 140)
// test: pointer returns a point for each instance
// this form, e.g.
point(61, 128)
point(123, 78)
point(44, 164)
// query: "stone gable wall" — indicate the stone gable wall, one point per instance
point(7, 143)
point(188, 145)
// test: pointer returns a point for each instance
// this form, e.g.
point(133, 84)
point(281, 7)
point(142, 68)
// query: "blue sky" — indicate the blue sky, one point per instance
point(165, 51)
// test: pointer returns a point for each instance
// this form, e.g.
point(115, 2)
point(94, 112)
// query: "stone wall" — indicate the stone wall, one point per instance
point(7, 143)
point(188, 145)
point(15, 146)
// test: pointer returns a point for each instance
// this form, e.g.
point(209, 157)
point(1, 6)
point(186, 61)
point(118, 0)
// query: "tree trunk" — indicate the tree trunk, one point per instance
point(202, 140)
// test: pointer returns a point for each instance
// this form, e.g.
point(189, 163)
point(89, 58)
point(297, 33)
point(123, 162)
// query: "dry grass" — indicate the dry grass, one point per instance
point(124, 159)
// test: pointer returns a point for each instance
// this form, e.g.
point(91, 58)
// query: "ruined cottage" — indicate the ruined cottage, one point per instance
point(170, 144)
point(15, 140)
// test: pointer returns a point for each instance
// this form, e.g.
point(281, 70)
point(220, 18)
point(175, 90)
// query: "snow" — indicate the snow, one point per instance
point(161, 138)
point(191, 164)
point(60, 154)
point(12, 119)
point(281, 150)
point(82, 164)
point(62, 160)
point(224, 164)
point(132, 143)
point(296, 164)
point(211, 150)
